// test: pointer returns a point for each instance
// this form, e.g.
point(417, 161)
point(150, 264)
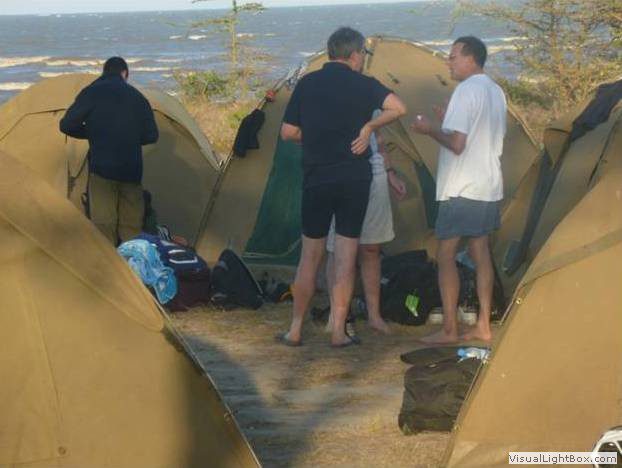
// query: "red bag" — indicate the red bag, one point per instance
point(193, 289)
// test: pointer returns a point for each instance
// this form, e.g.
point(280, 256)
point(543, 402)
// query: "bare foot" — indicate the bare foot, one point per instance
point(380, 325)
point(440, 337)
point(478, 332)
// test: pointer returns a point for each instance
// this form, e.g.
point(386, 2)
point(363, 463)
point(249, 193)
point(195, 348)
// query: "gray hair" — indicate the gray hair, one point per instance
point(343, 42)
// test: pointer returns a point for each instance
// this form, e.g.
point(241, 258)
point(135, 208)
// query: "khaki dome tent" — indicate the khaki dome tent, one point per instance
point(554, 382)
point(264, 187)
point(180, 170)
point(92, 376)
point(558, 179)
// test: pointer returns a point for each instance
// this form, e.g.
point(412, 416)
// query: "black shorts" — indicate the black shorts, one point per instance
point(346, 201)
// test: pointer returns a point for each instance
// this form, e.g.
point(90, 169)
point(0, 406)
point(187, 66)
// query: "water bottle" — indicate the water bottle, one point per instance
point(477, 353)
point(464, 258)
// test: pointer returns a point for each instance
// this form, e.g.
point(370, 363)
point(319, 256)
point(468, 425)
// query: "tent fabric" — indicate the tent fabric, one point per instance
point(420, 77)
point(179, 171)
point(92, 373)
point(553, 185)
point(556, 361)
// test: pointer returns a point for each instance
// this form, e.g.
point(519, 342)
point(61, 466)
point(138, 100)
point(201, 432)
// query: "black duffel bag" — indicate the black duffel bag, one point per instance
point(434, 389)
point(409, 288)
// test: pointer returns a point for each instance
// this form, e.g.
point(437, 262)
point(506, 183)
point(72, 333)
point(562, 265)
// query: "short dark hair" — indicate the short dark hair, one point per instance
point(343, 42)
point(474, 47)
point(115, 65)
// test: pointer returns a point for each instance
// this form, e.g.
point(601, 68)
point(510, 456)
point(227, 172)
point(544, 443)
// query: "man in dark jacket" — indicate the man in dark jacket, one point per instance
point(117, 120)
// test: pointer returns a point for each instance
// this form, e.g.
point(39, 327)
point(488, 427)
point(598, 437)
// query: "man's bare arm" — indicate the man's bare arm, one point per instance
point(392, 109)
point(290, 132)
point(454, 141)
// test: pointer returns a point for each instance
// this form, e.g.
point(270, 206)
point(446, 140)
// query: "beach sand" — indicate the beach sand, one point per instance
point(311, 406)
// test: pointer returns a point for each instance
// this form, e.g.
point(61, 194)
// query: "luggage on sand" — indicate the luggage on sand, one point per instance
point(409, 288)
point(192, 273)
point(233, 285)
point(434, 388)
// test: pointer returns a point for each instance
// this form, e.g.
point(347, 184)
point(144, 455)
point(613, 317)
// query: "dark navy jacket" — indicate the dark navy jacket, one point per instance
point(117, 120)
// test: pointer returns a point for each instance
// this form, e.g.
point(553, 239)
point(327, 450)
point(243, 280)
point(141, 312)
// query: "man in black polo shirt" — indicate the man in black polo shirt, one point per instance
point(117, 120)
point(330, 113)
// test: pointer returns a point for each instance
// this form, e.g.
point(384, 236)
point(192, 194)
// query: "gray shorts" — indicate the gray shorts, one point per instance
point(462, 217)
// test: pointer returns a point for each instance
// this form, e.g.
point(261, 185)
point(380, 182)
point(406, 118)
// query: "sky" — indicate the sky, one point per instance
point(45, 7)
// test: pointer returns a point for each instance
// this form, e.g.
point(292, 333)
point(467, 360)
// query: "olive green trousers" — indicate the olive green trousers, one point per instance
point(116, 208)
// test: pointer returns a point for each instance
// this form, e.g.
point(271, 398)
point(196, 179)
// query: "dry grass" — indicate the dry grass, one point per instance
point(219, 120)
point(536, 118)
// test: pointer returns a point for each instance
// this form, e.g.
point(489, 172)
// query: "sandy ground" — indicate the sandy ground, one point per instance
point(314, 405)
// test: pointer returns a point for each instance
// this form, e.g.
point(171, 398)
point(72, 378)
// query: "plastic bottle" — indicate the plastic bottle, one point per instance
point(472, 352)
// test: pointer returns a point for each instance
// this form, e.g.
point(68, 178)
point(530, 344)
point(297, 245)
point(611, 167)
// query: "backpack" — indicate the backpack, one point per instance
point(434, 389)
point(409, 288)
point(233, 285)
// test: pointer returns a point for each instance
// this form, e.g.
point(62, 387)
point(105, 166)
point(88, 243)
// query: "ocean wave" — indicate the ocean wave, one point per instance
point(245, 35)
point(52, 74)
point(173, 38)
point(506, 39)
point(17, 86)
point(270, 34)
point(307, 54)
point(169, 60)
point(197, 37)
point(495, 49)
point(439, 43)
point(74, 62)
point(91, 71)
point(487, 41)
point(82, 62)
point(7, 62)
point(151, 69)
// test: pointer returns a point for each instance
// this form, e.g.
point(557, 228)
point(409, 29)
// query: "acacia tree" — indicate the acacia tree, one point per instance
point(566, 47)
point(243, 60)
point(228, 23)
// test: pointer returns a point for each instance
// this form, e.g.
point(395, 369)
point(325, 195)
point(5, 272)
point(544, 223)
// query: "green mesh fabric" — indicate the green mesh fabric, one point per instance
point(276, 237)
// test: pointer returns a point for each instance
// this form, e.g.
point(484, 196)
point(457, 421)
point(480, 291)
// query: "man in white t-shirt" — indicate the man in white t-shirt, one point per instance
point(469, 183)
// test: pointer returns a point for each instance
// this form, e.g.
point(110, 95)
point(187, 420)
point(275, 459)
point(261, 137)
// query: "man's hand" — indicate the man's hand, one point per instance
point(398, 187)
point(362, 142)
point(440, 110)
point(422, 125)
point(290, 132)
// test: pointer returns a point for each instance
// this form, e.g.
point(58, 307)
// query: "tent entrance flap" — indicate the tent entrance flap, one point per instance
point(276, 236)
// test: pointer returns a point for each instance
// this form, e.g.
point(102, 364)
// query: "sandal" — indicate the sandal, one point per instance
point(284, 340)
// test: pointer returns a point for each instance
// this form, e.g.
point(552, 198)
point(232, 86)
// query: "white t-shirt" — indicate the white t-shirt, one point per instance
point(478, 109)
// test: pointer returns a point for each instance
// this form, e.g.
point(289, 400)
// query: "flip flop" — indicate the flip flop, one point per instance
point(282, 339)
point(352, 340)
point(355, 339)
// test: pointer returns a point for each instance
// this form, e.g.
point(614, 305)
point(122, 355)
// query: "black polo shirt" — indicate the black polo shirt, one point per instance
point(331, 106)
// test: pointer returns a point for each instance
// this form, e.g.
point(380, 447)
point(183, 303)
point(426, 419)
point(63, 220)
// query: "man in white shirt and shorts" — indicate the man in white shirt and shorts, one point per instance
point(469, 183)
point(377, 229)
